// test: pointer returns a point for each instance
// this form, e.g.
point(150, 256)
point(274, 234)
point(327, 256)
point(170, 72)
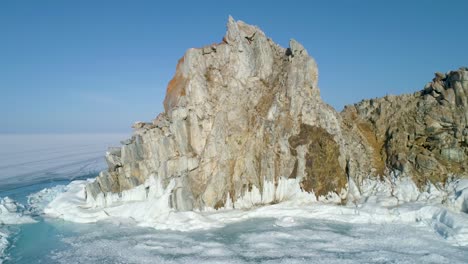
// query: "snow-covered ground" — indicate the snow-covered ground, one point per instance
point(27, 159)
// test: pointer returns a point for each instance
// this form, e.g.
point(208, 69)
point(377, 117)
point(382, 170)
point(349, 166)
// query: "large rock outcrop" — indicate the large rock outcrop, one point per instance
point(244, 124)
point(424, 135)
point(240, 116)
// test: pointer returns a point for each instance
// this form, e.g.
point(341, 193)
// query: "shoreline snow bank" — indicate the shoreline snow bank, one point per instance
point(377, 203)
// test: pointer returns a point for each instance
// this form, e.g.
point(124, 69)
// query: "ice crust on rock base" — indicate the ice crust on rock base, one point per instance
point(155, 196)
point(378, 204)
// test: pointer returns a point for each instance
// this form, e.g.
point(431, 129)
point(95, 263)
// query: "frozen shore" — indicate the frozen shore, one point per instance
point(379, 202)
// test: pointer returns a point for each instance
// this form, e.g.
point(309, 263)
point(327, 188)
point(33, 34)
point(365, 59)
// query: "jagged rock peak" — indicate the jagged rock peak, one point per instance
point(245, 52)
point(449, 87)
point(238, 31)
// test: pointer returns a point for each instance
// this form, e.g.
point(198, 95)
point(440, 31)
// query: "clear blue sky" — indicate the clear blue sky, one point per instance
point(98, 66)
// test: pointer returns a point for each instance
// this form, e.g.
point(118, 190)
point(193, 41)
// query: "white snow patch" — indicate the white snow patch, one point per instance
point(457, 198)
point(13, 213)
point(286, 221)
point(37, 202)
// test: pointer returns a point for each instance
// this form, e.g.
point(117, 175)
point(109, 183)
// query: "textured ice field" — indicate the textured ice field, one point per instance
point(256, 240)
point(27, 159)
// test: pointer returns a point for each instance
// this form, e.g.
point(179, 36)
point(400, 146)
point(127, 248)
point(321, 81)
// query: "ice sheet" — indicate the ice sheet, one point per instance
point(28, 159)
point(3, 244)
point(261, 240)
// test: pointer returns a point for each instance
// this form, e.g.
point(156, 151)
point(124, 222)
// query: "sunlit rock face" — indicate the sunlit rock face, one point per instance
point(244, 125)
point(239, 115)
point(424, 135)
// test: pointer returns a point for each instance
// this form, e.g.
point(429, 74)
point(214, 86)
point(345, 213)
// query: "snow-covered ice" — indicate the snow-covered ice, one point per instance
point(13, 213)
point(260, 240)
point(38, 201)
point(380, 203)
point(3, 244)
point(289, 232)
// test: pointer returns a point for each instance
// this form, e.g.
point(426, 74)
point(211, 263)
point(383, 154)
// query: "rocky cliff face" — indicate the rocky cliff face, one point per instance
point(244, 124)
point(424, 135)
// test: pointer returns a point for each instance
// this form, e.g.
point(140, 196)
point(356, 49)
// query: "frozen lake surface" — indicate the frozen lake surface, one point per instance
point(27, 159)
point(28, 236)
point(250, 241)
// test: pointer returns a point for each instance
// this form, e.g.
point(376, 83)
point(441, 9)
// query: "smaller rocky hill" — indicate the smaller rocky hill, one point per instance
point(424, 135)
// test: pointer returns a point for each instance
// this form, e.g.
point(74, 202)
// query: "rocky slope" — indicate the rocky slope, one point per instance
point(424, 135)
point(244, 124)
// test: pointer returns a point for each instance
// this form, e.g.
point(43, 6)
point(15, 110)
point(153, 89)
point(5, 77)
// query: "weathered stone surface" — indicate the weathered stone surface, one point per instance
point(138, 125)
point(421, 134)
point(246, 113)
point(321, 160)
point(237, 115)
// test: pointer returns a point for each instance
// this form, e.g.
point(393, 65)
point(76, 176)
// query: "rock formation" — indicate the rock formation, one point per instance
point(244, 117)
point(424, 135)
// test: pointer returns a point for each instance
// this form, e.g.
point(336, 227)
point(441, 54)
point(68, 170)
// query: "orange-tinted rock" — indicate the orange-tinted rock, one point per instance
point(175, 88)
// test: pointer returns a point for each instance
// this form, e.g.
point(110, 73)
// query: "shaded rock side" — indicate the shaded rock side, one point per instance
point(424, 135)
point(238, 114)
